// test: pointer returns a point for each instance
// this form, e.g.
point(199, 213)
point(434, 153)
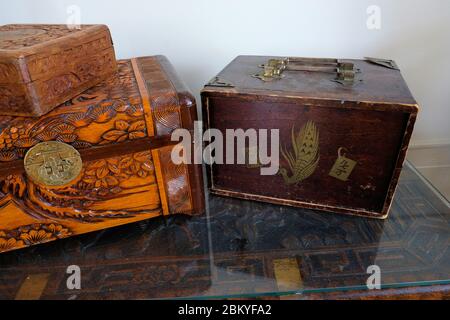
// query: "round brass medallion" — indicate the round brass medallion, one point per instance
point(53, 163)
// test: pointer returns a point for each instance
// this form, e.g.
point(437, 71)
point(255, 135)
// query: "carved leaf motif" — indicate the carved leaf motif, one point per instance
point(47, 135)
point(97, 164)
point(113, 135)
point(8, 244)
point(121, 125)
point(142, 156)
point(68, 138)
point(142, 173)
point(135, 167)
point(135, 111)
point(111, 181)
point(25, 142)
point(64, 128)
point(137, 126)
point(7, 156)
point(81, 145)
point(122, 138)
point(79, 119)
point(137, 135)
point(102, 114)
point(121, 107)
point(113, 167)
point(116, 190)
point(89, 179)
point(125, 163)
point(147, 166)
point(102, 172)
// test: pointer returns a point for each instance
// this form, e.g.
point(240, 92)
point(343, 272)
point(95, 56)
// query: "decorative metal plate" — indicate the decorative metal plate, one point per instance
point(53, 163)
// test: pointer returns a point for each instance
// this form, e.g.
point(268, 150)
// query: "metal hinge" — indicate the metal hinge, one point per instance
point(218, 82)
point(383, 62)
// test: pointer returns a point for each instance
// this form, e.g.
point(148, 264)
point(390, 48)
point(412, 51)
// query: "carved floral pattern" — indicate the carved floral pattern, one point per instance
point(105, 177)
point(7, 244)
point(118, 96)
point(125, 131)
point(13, 101)
point(100, 180)
point(31, 234)
point(42, 33)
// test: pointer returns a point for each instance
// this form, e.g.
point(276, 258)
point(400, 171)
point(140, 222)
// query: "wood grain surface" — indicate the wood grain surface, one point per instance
point(358, 134)
point(42, 66)
point(127, 174)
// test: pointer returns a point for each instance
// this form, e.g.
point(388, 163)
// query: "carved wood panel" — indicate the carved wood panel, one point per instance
point(108, 192)
point(52, 64)
point(108, 113)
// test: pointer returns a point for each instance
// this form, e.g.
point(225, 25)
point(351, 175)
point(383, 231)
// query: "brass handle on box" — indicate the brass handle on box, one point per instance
point(274, 68)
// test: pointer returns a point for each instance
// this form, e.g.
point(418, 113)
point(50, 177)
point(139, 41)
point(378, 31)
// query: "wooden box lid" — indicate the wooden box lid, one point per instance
point(42, 66)
point(373, 82)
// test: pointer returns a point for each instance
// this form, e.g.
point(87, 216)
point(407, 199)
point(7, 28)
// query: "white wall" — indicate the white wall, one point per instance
point(201, 36)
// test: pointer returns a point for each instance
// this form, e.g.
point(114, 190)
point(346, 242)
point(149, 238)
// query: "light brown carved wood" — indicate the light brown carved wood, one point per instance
point(127, 174)
point(42, 66)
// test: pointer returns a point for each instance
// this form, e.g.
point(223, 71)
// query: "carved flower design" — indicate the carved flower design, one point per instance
point(30, 235)
point(123, 131)
point(59, 85)
point(102, 173)
point(7, 244)
point(36, 236)
point(9, 135)
point(86, 71)
point(58, 230)
point(106, 175)
point(7, 98)
point(40, 234)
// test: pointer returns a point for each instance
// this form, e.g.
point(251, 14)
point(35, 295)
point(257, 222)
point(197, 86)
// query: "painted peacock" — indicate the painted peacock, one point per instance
point(303, 161)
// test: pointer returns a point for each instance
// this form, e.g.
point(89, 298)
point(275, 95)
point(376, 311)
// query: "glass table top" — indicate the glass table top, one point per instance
point(245, 249)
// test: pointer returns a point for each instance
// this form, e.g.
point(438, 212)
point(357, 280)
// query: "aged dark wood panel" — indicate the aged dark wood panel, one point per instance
point(342, 144)
point(358, 132)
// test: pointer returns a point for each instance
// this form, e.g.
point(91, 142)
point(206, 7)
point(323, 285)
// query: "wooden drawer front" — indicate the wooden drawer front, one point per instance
point(109, 192)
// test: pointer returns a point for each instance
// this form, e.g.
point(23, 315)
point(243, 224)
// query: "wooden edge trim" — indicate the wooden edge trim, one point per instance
point(145, 98)
point(295, 203)
point(284, 97)
point(160, 180)
point(195, 176)
point(399, 163)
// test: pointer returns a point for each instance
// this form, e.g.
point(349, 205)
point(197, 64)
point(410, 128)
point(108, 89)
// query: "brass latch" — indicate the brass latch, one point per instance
point(274, 68)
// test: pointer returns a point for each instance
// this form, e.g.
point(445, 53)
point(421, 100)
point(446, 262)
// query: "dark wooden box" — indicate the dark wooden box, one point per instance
point(344, 129)
point(42, 66)
point(121, 130)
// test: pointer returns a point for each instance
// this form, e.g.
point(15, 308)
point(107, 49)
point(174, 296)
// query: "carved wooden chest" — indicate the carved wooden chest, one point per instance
point(101, 159)
point(42, 66)
point(343, 131)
